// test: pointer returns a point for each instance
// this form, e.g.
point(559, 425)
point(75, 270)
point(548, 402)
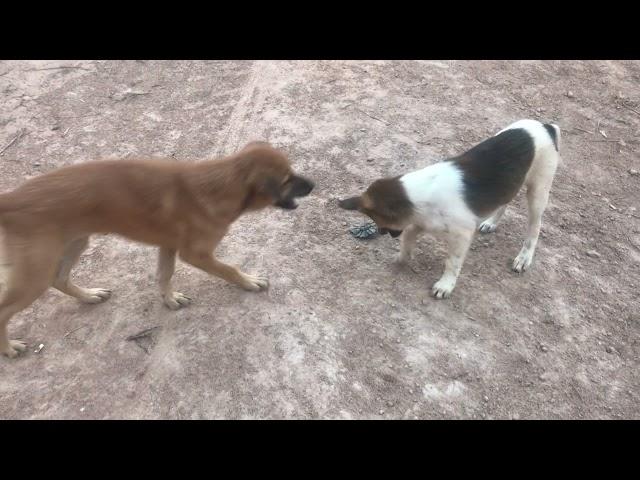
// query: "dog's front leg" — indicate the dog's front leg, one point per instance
point(458, 241)
point(166, 267)
point(204, 260)
point(407, 243)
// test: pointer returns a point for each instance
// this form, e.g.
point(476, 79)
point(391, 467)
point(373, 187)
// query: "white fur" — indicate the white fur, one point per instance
point(437, 193)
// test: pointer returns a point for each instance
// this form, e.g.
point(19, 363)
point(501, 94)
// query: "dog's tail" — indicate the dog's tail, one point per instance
point(554, 133)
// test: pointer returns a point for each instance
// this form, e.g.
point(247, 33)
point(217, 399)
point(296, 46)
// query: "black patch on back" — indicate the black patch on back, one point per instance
point(552, 133)
point(494, 170)
point(390, 199)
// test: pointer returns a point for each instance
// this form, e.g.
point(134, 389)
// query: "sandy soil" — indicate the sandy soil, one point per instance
point(341, 333)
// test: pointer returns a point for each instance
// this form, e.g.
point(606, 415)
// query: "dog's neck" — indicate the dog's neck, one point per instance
point(209, 178)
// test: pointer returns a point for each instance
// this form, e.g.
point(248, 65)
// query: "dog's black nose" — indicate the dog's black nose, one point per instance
point(310, 186)
point(303, 186)
point(393, 233)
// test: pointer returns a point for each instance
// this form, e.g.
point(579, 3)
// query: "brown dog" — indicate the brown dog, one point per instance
point(184, 208)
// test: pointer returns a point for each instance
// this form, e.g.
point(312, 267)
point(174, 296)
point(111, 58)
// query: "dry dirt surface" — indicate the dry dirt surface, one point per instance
point(341, 333)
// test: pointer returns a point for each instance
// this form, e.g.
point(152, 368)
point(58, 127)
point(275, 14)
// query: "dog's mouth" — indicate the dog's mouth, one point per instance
point(287, 204)
point(300, 187)
point(393, 233)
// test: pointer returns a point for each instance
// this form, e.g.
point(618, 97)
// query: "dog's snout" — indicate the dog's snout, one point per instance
point(302, 186)
point(309, 186)
point(393, 233)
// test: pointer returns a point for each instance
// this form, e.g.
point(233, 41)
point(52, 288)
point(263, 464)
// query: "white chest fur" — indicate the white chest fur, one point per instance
point(437, 195)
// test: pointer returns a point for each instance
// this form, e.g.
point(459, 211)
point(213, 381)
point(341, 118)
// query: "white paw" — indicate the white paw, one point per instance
point(15, 347)
point(255, 283)
point(95, 295)
point(176, 300)
point(523, 261)
point(443, 288)
point(487, 227)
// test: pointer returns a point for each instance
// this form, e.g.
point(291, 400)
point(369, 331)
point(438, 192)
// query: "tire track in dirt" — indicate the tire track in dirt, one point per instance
point(242, 126)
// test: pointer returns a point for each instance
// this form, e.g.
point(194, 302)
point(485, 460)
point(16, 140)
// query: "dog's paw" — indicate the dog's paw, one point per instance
point(14, 348)
point(95, 295)
point(254, 283)
point(487, 227)
point(400, 259)
point(443, 288)
point(523, 261)
point(176, 300)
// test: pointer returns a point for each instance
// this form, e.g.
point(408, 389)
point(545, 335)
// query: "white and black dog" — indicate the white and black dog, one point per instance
point(466, 193)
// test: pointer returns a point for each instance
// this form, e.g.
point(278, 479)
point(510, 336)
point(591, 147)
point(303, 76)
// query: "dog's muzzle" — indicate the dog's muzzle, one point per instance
point(300, 187)
point(393, 233)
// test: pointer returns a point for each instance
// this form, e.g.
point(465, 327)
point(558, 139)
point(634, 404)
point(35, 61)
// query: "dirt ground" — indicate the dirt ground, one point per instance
point(341, 333)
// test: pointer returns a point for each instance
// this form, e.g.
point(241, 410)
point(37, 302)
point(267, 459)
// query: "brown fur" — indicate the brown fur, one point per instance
point(183, 208)
point(385, 202)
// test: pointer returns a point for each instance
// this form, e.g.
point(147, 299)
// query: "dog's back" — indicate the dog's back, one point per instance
point(494, 171)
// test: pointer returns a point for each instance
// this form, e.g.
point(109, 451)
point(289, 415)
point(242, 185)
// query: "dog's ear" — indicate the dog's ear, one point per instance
point(352, 203)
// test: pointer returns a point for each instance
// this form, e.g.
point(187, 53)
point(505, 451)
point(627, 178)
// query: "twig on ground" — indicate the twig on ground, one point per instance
point(582, 130)
point(371, 116)
point(74, 330)
point(142, 334)
point(16, 138)
point(629, 108)
point(55, 68)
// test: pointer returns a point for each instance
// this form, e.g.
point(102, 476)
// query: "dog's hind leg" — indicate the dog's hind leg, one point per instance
point(458, 242)
point(28, 275)
point(62, 281)
point(537, 196)
point(538, 188)
point(166, 267)
point(491, 223)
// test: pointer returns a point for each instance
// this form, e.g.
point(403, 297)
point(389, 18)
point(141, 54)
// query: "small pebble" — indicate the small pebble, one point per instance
point(485, 398)
point(543, 348)
point(592, 254)
point(633, 172)
point(609, 349)
point(570, 94)
point(381, 412)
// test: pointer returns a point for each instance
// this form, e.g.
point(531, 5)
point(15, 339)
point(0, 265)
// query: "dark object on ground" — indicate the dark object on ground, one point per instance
point(365, 231)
